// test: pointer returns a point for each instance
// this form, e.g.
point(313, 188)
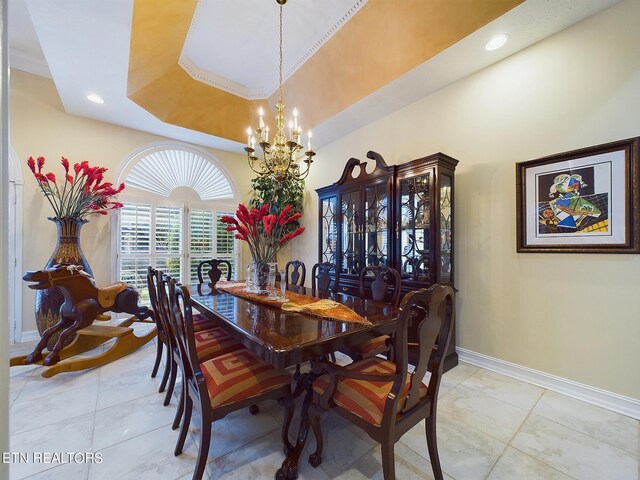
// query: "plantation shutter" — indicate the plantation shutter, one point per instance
point(201, 222)
point(135, 245)
point(168, 241)
point(226, 245)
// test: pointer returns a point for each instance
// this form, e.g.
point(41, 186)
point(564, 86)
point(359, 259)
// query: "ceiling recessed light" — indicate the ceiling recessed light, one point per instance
point(92, 97)
point(497, 42)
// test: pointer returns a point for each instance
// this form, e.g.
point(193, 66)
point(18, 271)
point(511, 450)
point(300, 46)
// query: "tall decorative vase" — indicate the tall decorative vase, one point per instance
point(67, 250)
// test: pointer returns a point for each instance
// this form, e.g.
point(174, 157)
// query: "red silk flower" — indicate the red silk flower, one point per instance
point(264, 232)
point(79, 194)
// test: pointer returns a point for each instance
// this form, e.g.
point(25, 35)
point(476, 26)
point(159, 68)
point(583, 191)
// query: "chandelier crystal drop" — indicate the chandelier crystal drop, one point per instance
point(280, 158)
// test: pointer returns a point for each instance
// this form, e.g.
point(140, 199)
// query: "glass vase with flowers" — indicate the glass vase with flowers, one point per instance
point(79, 193)
point(265, 234)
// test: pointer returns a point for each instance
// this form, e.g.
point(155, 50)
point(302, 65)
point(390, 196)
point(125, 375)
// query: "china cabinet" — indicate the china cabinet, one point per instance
point(400, 216)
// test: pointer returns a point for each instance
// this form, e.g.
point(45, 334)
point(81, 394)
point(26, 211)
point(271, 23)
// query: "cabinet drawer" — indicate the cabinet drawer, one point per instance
point(349, 290)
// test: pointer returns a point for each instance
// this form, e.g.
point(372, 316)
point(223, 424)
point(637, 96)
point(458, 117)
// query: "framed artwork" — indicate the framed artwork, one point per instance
point(583, 201)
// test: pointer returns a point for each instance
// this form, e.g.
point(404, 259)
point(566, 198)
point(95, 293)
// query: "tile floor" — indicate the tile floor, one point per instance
point(489, 427)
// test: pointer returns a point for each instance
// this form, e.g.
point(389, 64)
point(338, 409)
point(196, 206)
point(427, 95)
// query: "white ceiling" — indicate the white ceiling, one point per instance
point(84, 47)
point(238, 51)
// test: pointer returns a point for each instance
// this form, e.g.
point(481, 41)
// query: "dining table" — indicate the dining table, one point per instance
point(285, 339)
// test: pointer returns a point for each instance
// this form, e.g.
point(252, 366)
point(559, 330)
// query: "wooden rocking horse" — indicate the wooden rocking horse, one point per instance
point(83, 302)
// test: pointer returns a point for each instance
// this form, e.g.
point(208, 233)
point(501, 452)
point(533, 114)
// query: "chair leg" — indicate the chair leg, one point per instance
point(178, 417)
point(184, 429)
point(315, 411)
point(172, 383)
point(205, 441)
point(168, 364)
point(388, 460)
point(156, 365)
point(432, 446)
point(290, 406)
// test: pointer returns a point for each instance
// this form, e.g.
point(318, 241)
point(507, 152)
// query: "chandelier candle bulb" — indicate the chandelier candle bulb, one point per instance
point(309, 145)
point(249, 132)
point(266, 134)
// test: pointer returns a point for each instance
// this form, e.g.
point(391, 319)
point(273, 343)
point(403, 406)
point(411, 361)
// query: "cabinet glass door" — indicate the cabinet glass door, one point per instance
point(350, 210)
point(415, 224)
point(329, 230)
point(446, 244)
point(376, 236)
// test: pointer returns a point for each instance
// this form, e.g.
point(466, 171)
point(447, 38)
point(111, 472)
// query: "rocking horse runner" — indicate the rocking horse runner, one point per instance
point(83, 302)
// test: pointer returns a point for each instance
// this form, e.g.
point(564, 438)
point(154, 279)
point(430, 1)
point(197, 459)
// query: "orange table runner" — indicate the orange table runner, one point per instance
point(297, 303)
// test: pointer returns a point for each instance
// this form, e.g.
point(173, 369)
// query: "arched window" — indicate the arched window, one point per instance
point(173, 202)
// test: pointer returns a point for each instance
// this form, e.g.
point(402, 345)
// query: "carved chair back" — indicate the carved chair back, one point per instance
point(298, 273)
point(215, 273)
point(321, 278)
point(384, 286)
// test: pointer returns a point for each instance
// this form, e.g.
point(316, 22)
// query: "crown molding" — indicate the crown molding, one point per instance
point(28, 63)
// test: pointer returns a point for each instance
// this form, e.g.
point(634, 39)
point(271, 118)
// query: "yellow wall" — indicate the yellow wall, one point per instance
point(39, 126)
point(574, 316)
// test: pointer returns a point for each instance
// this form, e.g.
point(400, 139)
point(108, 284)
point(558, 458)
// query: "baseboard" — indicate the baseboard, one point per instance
point(29, 336)
point(612, 401)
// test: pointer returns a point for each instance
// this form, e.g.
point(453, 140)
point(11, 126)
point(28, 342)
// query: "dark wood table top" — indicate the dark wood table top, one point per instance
point(285, 339)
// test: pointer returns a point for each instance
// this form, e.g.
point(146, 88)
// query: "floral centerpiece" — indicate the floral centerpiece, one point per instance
point(79, 194)
point(265, 234)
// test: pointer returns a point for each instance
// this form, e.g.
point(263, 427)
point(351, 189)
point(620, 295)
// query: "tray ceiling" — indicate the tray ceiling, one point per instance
point(347, 62)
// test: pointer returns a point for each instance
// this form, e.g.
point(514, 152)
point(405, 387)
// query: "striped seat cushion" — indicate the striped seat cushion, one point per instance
point(214, 342)
point(371, 347)
point(239, 376)
point(200, 322)
point(365, 398)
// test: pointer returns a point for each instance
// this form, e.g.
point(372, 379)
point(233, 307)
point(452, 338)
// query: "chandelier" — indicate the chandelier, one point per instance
point(280, 159)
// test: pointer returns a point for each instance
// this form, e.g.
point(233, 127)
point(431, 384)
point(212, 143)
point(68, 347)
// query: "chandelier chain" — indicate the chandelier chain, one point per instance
point(280, 81)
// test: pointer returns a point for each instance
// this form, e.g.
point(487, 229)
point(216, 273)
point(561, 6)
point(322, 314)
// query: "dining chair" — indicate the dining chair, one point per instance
point(209, 343)
point(298, 273)
point(321, 285)
point(215, 273)
point(383, 397)
point(163, 338)
point(223, 384)
point(321, 278)
point(384, 287)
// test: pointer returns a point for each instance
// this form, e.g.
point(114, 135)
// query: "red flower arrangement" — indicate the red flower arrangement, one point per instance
point(264, 232)
point(80, 194)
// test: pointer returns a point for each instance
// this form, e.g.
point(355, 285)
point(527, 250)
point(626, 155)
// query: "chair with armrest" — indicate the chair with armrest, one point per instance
point(297, 275)
point(215, 273)
point(223, 384)
point(383, 397)
point(384, 287)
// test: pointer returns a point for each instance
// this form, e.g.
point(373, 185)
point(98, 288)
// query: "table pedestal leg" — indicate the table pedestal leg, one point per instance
point(289, 468)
